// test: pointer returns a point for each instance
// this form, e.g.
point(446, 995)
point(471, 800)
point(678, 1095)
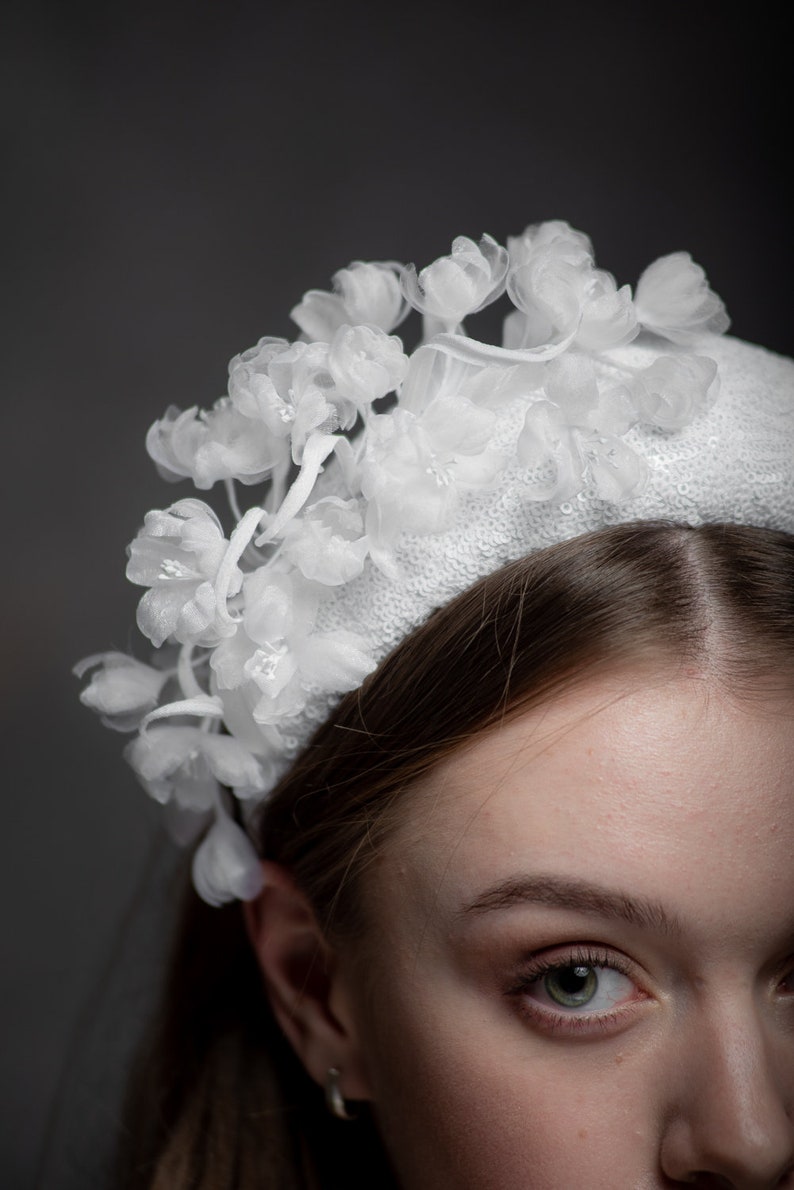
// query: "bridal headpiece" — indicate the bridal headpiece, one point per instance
point(387, 482)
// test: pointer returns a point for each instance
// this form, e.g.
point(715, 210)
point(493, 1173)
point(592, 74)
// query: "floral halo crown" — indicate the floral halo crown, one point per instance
point(394, 481)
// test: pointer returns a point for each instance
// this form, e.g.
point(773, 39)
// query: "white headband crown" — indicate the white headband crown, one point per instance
point(416, 475)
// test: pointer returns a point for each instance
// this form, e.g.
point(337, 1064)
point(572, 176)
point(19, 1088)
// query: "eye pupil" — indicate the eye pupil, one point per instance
point(571, 986)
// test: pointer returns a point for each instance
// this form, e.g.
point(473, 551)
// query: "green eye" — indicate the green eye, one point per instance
point(571, 987)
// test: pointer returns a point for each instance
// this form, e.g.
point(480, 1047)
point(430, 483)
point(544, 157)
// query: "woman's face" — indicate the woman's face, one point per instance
point(582, 965)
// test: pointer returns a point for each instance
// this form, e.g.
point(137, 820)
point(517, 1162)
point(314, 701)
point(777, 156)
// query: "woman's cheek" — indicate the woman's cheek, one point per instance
point(469, 1098)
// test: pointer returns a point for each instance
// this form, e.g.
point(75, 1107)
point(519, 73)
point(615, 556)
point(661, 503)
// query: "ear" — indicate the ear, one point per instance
point(305, 981)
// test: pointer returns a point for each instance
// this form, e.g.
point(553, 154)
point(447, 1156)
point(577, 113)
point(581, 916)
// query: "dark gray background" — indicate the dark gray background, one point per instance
point(175, 176)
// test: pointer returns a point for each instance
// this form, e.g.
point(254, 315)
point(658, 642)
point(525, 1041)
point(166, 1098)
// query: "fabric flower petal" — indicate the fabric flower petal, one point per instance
point(673, 299)
point(225, 865)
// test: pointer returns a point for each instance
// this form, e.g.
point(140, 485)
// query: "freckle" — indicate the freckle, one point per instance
point(582, 1134)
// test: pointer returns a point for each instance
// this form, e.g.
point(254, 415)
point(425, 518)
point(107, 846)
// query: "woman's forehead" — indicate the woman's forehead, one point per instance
point(661, 785)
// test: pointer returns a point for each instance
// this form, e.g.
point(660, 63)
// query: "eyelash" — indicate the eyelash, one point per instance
point(540, 966)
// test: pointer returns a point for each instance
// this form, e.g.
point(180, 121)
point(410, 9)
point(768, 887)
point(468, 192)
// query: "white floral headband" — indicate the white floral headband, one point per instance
point(394, 481)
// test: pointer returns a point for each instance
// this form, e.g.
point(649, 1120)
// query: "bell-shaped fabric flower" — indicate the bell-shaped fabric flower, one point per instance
point(251, 390)
point(303, 397)
point(327, 543)
point(215, 445)
point(226, 866)
point(122, 690)
point(453, 286)
point(188, 765)
point(608, 315)
point(575, 438)
point(278, 651)
point(616, 472)
point(365, 292)
point(569, 245)
point(549, 450)
point(177, 555)
point(676, 389)
point(561, 297)
point(365, 363)
point(673, 299)
point(370, 292)
point(414, 467)
point(319, 314)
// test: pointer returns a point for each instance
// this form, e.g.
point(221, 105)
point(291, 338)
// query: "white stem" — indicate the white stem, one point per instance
point(316, 451)
point(231, 495)
point(207, 705)
point(187, 679)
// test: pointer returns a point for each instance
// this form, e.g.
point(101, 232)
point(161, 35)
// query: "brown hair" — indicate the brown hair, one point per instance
point(222, 1103)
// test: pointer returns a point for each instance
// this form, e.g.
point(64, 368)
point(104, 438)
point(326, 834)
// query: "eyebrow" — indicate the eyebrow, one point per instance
point(560, 892)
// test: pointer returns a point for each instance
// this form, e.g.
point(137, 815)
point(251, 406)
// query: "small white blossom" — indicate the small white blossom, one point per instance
point(251, 389)
point(561, 297)
point(575, 437)
point(122, 690)
point(459, 284)
point(608, 315)
point(569, 245)
point(414, 466)
point(370, 292)
point(549, 450)
point(207, 446)
point(616, 471)
point(365, 363)
point(327, 543)
point(278, 652)
point(226, 866)
point(188, 765)
point(676, 389)
point(674, 300)
point(177, 554)
point(302, 397)
point(366, 292)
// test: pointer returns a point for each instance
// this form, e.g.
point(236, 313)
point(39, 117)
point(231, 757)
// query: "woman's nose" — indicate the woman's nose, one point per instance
point(732, 1123)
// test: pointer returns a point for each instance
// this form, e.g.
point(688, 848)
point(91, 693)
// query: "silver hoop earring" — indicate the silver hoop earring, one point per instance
point(334, 1100)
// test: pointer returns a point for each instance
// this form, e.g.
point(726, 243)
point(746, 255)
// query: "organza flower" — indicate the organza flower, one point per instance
point(302, 398)
point(327, 542)
point(219, 444)
point(459, 284)
point(225, 865)
point(675, 389)
point(121, 690)
point(366, 292)
point(561, 297)
point(549, 450)
point(608, 315)
point(251, 390)
point(575, 438)
point(187, 765)
point(570, 245)
point(278, 654)
point(177, 555)
point(673, 299)
point(365, 363)
point(414, 466)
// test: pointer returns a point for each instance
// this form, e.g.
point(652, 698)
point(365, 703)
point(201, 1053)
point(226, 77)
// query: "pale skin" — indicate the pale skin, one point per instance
point(581, 964)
